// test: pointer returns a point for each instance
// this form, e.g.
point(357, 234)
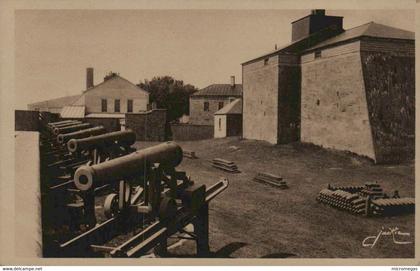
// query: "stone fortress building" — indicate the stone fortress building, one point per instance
point(351, 90)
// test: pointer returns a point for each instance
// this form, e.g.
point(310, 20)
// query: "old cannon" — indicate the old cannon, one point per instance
point(71, 128)
point(125, 138)
point(168, 155)
point(146, 185)
point(61, 122)
point(51, 148)
point(64, 138)
point(103, 147)
point(51, 127)
point(48, 137)
point(84, 147)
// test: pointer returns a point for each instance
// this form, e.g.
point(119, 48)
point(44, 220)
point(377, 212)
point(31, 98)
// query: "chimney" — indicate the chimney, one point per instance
point(315, 22)
point(89, 78)
point(110, 75)
point(232, 81)
point(318, 12)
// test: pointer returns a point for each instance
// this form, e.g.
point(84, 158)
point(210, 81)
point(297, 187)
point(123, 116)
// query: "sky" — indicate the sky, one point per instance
point(53, 48)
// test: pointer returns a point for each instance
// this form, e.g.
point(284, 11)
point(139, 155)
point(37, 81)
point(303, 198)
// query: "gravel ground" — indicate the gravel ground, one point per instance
point(253, 220)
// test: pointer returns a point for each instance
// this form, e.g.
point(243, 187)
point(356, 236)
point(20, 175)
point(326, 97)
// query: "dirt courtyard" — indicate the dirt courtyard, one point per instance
point(254, 220)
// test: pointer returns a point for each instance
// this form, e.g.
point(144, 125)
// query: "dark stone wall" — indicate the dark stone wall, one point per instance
point(148, 126)
point(234, 125)
point(390, 92)
point(185, 132)
point(26, 120)
point(110, 124)
point(289, 103)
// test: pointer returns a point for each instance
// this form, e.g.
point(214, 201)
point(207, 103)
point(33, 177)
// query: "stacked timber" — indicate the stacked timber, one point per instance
point(225, 165)
point(372, 189)
point(270, 179)
point(343, 200)
point(189, 154)
point(392, 206)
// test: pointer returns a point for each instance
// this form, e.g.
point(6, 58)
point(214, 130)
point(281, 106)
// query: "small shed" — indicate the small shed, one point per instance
point(228, 120)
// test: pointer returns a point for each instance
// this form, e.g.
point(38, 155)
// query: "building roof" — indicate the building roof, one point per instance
point(220, 90)
point(106, 115)
point(234, 107)
point(73, 100)
point(299, 45)
point(370, 29)
point(58, 102)
point(113, 76)
point(73, 112)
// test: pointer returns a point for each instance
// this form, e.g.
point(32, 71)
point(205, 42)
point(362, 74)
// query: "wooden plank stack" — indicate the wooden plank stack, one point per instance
point(343, 200)
point(189, 154)
point(225, 165)
point(270, 179)
point(392, 206)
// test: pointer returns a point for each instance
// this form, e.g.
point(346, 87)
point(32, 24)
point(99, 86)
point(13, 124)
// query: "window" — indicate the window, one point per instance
point(220, 124)
point(206, 106)
point(317, 54)
point(117, 105)
point(104, 105)
point(221, 104)
point(129, 106)
point(318, 102)
point(266, 61)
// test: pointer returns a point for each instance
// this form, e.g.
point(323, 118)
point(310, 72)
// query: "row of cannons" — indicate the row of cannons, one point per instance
point(102, 197)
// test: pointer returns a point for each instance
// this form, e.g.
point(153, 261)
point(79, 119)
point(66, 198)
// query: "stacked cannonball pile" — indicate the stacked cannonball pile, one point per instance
point(353, 199)
point(392, 206)
point(372, 189)
point(344, 200)
point(347, 188)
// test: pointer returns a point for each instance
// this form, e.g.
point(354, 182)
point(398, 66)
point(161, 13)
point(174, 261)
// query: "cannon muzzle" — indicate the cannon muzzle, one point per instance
point(168, 155)
point(127, 137)
point(72, 128)
point(63, 138)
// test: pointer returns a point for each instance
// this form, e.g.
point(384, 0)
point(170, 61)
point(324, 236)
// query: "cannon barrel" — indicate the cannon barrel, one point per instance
point(127, 137)
point(168, 154)
point(61, 122)
point(61, 125)
point(72, 128)
point(98, 130)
